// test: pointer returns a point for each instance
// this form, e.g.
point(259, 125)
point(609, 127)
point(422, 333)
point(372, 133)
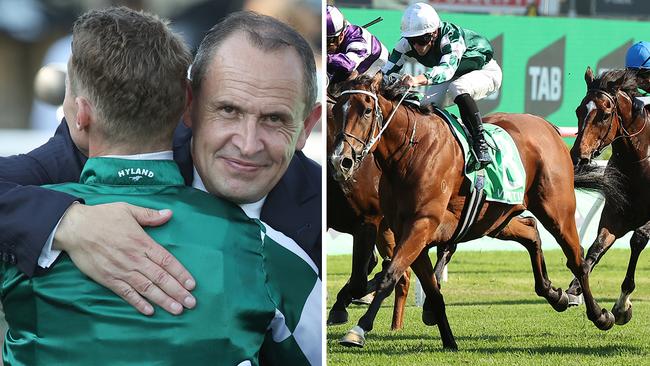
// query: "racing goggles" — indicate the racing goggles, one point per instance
point(422, 40)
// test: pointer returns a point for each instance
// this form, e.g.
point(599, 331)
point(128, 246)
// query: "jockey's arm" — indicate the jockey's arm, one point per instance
point(415, 81)
point(452, 48)
point(396, 58)
point(345, 63)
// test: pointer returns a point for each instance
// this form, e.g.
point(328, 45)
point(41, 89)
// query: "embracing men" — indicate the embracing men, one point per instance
point(252, 106)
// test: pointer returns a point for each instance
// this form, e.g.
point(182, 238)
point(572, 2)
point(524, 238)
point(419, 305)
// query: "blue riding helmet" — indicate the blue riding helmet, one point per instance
point(638, 56)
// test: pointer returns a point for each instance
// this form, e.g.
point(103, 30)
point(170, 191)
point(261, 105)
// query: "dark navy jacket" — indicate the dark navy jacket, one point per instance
point(29, 213)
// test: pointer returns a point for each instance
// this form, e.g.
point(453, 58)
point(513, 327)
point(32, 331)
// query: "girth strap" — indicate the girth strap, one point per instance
point(471, 209)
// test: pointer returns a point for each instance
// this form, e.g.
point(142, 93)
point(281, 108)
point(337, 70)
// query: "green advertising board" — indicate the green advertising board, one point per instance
point(543, 59)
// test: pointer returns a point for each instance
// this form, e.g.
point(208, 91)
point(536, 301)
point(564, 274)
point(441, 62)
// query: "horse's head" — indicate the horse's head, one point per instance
point(602, 114)
point(359, 119)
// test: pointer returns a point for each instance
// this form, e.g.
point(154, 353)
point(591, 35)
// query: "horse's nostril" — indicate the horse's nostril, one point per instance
point(346, 163)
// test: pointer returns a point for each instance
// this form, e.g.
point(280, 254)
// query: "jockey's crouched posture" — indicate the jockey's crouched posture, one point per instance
point(351, 48)
point(462, 68)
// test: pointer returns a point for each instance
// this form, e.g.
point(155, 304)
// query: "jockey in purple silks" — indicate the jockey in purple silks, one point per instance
point(350, 48)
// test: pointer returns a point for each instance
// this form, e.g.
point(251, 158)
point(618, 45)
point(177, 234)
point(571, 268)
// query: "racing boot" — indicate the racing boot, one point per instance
point(472, 119)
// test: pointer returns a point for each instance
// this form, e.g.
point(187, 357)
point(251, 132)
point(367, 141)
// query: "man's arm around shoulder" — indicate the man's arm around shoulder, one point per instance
point(29, 213)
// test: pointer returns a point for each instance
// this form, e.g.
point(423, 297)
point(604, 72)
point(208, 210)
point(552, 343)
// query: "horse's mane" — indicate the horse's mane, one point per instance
point(391, 91)
point(613, 80)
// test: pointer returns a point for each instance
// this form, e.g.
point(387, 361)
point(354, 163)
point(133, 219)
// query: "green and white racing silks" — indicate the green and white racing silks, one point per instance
point(254, 293)
point(454, 53)
point(296, 289)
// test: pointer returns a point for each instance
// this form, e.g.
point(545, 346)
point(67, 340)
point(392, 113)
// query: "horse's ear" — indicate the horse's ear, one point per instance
point(376, 81)
point(624, 105)
point(589, 76)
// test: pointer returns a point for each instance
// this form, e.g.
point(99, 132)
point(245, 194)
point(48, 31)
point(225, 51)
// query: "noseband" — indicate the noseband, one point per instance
point(601, 145)
point(371, 140)
point(624, 131)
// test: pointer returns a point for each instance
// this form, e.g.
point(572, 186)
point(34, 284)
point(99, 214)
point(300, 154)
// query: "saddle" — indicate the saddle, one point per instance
point(502, 181)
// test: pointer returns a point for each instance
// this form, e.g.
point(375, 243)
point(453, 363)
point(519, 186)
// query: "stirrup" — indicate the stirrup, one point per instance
point(482, 156)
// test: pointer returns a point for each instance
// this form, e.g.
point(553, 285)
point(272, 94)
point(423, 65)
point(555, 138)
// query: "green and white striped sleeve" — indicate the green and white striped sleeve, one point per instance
point(397, 57)
point(295, 334)
point(452, 48)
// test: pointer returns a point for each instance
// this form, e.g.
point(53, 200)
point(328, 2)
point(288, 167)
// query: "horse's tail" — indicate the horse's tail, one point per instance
point(609, 182)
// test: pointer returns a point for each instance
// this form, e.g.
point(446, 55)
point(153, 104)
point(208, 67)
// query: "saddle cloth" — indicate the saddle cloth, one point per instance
point(505, 178)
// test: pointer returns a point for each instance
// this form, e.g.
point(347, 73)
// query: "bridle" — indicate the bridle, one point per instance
point(371, 139)
point(624, 133)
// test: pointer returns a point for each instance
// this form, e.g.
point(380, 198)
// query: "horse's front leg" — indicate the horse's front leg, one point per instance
point(339, 314)
point(401, 294)
point(362, 253)
point(623, 308)
point(444, 254)
point(386, 247)
point(609, 228)
point(566, 235)
point(434, 301)
point(414, 239)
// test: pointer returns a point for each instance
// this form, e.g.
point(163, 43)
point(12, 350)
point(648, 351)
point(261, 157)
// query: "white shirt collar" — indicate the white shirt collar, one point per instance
point(160, 155)
point(252, 210)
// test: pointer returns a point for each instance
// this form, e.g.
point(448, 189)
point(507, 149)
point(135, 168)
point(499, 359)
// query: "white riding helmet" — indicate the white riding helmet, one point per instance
point(335, 21)
point(419, 19)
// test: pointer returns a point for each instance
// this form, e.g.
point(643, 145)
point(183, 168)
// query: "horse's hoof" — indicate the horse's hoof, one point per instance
point(605, 321)
point(622, 316)
point(337, 317)
point(354, 338)
point(575, 300)
point(366, 300)
point(562, 303)
point(429, 318)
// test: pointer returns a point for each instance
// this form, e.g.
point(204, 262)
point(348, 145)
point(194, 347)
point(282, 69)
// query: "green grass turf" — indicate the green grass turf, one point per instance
point(497, 319)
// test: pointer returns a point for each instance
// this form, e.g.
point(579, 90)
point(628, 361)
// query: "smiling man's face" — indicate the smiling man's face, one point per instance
point(248, 119)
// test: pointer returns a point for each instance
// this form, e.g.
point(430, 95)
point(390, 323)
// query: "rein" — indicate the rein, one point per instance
point(378, 118)
point(625, 133)
point(618, 115)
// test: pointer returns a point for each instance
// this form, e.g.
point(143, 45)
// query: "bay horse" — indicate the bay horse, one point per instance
point(422, 167)
point(608, 115)
point(353, 208)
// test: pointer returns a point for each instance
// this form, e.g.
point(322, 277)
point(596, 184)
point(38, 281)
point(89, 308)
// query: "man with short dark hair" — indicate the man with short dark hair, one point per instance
point(254, 88)
point(60, 315)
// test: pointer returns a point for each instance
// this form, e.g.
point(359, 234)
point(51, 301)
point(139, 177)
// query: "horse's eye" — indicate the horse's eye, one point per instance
point(368, 111)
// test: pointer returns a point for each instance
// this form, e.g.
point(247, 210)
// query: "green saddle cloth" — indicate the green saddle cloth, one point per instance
point(505, 178)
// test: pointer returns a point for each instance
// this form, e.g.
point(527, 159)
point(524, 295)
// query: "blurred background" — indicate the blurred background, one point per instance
point(544, 48)
point(35, 33)
point(636, 9)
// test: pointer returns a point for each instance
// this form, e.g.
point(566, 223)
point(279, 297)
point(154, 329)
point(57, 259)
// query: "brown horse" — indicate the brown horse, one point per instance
point(422, 167)
point(607, 116)
point(353, 208)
